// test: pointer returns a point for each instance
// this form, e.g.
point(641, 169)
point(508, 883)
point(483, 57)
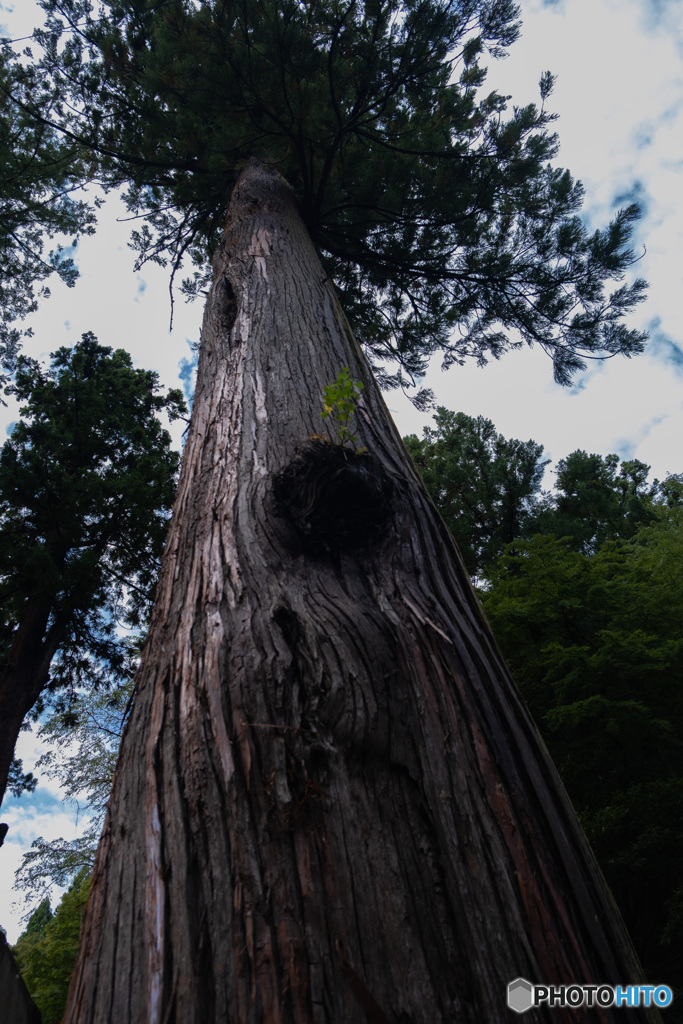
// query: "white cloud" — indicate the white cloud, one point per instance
point(33, 815)
point(122, 309)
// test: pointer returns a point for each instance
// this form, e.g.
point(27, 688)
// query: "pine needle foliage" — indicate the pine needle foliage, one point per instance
point(436, 206)
point(40, 172)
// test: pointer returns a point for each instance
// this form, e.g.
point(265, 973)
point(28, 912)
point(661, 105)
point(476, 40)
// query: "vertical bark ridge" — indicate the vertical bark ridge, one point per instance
point(330, 804)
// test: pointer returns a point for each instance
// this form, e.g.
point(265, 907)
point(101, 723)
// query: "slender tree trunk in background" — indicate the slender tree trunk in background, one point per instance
point(330, 804)
point(26, 673)
point(16, 1005)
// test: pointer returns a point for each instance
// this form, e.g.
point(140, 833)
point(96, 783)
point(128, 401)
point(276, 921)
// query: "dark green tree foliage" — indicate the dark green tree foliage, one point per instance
point(486, 487)
point(46, 952)
point(38, 921)
point(594, 643)
point(434, 206)
point(39, 171)
point(86, 485)
point(598, 499)
point(20, 781)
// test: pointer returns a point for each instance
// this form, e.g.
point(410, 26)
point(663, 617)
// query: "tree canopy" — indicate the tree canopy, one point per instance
point(599, 498)
point(436, 208)
point(39, 171)
point(86, 484)
point(486, 487)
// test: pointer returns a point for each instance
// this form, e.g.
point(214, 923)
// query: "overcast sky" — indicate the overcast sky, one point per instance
point(619, 94)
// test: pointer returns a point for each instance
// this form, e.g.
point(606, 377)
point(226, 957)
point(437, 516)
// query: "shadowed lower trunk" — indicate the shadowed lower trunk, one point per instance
point(16, 1005)
point(331, 805)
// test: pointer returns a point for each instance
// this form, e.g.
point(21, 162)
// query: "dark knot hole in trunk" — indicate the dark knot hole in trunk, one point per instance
point(335, 497)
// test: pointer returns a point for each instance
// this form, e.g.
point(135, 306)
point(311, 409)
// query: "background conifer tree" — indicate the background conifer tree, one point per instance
point(46, 951)
point(40, 173)
point(486, 487)
point(86, 482)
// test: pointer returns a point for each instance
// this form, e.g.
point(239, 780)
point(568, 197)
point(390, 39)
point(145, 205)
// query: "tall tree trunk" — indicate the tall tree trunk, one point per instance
point(330, 804)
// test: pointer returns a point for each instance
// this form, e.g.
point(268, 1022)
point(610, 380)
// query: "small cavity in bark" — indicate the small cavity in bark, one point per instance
point(336, 498)
point(227, 304)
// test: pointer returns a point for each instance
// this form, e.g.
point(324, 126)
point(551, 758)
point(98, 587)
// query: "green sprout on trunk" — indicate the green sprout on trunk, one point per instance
point(341, 401)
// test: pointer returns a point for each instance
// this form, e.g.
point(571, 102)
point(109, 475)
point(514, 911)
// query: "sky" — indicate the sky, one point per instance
point(619, 96)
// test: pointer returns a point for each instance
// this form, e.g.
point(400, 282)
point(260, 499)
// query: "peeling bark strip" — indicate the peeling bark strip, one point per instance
point(330, 805)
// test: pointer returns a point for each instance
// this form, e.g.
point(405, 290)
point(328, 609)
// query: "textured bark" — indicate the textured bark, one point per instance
point(331, 805)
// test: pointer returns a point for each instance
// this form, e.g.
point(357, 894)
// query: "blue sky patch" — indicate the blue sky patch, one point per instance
point(187, 374)
point(637, 193)
point(579, 384)
point(582, 379)
point(67, 254)
point(626, 450)
point(626, 447)
point(22, 814)
point(654, 11)
point(663, 347)
point(29, 804)
point(644, 135)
